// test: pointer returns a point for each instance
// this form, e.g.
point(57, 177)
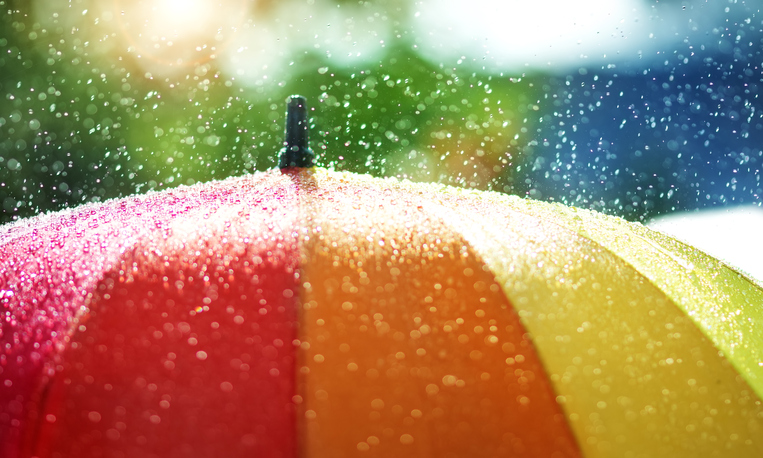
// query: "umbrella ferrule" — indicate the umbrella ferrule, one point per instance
point(295, 151)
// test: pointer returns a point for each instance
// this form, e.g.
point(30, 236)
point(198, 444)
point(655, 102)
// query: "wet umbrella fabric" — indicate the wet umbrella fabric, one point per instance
point(312, 313)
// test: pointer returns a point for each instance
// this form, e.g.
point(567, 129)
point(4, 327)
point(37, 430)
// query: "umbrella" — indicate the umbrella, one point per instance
point(305, 312)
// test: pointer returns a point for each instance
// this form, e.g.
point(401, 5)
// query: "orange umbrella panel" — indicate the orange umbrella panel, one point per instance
point(411, 347)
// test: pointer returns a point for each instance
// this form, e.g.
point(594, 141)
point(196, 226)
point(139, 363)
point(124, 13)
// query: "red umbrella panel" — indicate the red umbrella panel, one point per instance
point(311, 313)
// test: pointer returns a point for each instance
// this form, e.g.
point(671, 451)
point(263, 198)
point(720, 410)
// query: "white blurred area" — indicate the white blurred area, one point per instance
point(270, 42)
point(734, 235)
point(517, 35)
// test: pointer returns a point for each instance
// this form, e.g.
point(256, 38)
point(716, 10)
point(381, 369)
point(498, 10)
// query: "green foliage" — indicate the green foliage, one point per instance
point(83, 121)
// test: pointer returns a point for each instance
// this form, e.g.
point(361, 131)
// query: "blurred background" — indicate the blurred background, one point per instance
point(638, 108)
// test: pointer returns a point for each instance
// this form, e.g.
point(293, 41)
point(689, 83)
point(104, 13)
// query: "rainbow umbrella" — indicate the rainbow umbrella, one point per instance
point(304, 312)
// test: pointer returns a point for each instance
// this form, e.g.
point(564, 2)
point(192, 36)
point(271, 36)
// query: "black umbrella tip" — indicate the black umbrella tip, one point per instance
point(296, 101)
point(295, 151)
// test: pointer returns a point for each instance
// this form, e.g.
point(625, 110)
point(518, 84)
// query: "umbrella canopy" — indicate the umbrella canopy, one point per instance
point(303, 312)
point(314, 313)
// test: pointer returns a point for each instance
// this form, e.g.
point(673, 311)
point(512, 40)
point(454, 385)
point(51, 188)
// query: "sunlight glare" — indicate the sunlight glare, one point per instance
point(184, 16)
point(167, 35)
